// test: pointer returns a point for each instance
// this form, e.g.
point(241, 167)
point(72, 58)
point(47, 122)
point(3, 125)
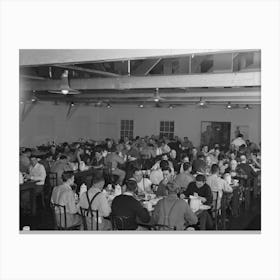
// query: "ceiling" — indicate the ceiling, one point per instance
point(177, 78)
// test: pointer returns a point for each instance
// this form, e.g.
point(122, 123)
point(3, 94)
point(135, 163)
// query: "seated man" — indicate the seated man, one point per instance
point(61, 166)
point(156, 175)
point(199, 165)
point(164, 157)
point(143, 184)
point(167, 178)
point(98, 160)
point(131, 152)
point(183, 179)
point(200, 189)
point(172, 211)
point(173, 159)
point(245, 166)
point(129, 208)
point(64, 195)
point(112, 160)
point(37, 172)
point(217, 184)
point(95, 199)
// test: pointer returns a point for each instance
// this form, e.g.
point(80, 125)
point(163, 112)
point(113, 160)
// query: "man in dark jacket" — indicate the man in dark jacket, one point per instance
point(199, 165)
point(201, 189)
point(126, 209)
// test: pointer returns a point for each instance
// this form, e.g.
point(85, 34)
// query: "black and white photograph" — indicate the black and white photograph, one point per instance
point(140, 140)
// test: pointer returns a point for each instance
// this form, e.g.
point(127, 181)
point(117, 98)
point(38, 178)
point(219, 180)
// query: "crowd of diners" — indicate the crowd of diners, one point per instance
point(170, 170)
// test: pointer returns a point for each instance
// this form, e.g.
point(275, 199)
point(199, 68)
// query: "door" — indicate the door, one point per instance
point(215, 133)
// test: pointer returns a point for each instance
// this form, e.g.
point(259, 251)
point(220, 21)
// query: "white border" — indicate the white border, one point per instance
point(193, 25)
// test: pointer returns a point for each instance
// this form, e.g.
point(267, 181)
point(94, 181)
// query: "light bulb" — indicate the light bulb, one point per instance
point(64, 91)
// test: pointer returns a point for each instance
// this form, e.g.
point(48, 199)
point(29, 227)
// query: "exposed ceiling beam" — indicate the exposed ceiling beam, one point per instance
point(146, 66)
point(71, 67)
point(32, 77)
point(29, 57)
point(218, 94)
point(166, 81)
point(237, 100)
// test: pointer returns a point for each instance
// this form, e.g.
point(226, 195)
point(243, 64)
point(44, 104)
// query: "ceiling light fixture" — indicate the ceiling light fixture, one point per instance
point(201, 102)
point(64, 87)
point(72, 104)
point(171, 106)
point(229, 105)
point(141, 106)
point(247, 107)
point(109, 106)
point(64, 91)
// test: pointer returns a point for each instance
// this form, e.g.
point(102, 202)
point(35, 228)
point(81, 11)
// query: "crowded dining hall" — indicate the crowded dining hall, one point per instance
point(141, 140)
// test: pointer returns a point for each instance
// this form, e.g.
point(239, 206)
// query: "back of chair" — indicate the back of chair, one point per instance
point(163, 227)
point(215, 200)
point(91, 216)
point(59, 215)
point(52, 179)
point(119, 222)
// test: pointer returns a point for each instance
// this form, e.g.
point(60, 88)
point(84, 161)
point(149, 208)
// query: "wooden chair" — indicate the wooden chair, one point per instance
point(52, 179)
point(60, 218)
point(216, 210)
point(119, 222)
point(163, 227)
point(91, 216)
point(50, 183)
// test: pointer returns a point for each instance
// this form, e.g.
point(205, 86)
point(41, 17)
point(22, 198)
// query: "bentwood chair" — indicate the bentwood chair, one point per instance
point(60, 218)
point(163, 227)
point(89, 219)
point(119, 222)
point(51, 182)
point(216, 209)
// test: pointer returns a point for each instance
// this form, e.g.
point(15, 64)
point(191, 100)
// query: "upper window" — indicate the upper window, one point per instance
point(167, 129)
point(127, 129)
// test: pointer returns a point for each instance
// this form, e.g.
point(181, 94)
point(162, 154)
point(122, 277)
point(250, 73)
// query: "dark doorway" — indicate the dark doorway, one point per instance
point(215, 133)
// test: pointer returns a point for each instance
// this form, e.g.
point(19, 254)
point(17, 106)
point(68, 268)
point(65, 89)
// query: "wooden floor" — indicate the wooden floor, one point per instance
point(247, 220)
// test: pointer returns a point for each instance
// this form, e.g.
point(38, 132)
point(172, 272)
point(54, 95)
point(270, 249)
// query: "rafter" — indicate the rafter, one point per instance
point(166, 81)
point(146, 66)
point(87, 70)
point(32, 77)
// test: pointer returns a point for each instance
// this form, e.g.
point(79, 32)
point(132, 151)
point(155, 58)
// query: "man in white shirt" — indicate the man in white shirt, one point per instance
point(237, 142)
point(65, 196)
point(156, 175)
point(95, 199)
point(37, 172)
point(217, 184)
point(143, 184)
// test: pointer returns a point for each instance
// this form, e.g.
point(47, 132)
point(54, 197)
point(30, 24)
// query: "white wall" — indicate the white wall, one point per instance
point(47, 121)
point(187, 119)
